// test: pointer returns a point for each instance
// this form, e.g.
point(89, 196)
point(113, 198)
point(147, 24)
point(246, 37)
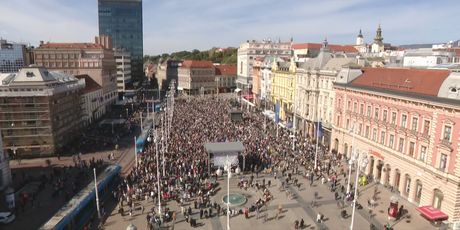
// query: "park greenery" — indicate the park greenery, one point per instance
point(215, 55)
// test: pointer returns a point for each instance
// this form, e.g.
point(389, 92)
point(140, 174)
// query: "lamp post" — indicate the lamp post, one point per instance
point(265, 116)
point(226, 162)
point(362, 163)
point(135, 151)
point(97, 194)
point(127, 114)
point(156, 140)
point(229, 175)
point(352, 155)
point(294, 123)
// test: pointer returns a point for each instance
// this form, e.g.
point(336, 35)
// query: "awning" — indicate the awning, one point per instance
point(432, 214)
point(377, 154)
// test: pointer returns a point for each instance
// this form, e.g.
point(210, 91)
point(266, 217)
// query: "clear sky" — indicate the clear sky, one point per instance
point(175, 25)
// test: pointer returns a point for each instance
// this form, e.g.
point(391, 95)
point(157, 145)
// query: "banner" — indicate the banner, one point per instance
point(319, 130)
point(157, 106)
point(10, 200)
point(277, 112)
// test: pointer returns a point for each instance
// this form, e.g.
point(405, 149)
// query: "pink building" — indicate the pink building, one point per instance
point(406, 122)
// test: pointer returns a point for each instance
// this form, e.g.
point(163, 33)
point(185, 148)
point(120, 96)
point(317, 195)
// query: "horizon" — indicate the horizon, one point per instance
point(214, 26)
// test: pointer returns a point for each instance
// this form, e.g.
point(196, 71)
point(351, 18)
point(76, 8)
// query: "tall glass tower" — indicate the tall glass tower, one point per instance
point(122, 20)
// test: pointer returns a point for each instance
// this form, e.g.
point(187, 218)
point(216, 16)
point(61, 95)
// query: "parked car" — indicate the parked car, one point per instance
point(6, 217)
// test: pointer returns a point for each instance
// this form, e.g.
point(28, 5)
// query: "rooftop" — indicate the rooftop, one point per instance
point(417, 81)
point(90, 84)
point(317, 46)
point(33, 75)
point(71, 45)
point(226, 69)
point(197, 64)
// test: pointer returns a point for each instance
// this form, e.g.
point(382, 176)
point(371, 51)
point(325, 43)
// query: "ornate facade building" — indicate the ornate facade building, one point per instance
point(249, 51)
point(407, 123)
point(283, 87)
point(257, 67)
point(314, 94)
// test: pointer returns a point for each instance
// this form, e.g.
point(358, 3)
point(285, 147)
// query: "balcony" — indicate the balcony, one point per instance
point(425, 135)
point(392, 125)
point(446, 144)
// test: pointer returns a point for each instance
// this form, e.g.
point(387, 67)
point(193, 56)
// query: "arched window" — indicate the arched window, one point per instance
point(438, 197)
point(418, 191)
point(407, 185)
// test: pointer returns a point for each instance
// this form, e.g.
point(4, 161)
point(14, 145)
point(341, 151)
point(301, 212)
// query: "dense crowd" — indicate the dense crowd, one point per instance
point(197, 121)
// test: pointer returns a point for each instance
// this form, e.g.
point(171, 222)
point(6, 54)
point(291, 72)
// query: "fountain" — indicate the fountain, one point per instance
point(236, 199)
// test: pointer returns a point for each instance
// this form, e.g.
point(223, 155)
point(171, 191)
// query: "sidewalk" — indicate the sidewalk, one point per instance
point(45, 206)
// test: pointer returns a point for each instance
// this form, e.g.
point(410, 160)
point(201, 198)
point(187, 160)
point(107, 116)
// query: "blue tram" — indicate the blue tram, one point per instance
point(79, 210)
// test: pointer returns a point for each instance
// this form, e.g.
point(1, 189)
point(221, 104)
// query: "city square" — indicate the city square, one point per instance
point(300, 114)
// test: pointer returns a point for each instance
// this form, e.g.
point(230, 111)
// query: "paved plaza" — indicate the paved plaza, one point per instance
point(212, 123)
point(293, 209)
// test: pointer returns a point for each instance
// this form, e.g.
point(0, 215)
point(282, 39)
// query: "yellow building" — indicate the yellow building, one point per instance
point(283, 88)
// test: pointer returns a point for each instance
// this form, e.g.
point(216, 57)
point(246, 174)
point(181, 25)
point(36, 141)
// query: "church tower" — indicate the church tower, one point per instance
point(378, 36)
point(378, 45)
point(360, 39)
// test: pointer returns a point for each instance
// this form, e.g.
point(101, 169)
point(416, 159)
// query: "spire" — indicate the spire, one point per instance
point(360, 35)
point(325, 47)
point(325, 43)
point(378, 36)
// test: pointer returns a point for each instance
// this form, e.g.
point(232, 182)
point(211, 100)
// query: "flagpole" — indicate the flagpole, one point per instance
point(317, 143)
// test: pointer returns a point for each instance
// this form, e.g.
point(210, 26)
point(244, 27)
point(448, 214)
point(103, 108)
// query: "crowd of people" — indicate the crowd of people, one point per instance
point(186, 178)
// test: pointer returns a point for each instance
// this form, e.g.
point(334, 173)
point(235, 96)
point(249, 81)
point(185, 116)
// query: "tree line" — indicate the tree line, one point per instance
point(215, 55)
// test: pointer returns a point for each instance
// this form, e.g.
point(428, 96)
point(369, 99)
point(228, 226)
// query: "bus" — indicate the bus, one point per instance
point(79, 210)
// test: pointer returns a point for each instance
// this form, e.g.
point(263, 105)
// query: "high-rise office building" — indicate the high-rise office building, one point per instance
point(122, 20)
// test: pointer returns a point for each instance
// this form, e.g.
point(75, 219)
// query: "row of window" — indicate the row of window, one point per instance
point(401, 144)
point(392, 118)
point(311, 82)
point(404, 122)
point(57, 56)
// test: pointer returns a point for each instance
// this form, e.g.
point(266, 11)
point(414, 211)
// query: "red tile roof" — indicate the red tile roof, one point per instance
point(90, 84)
point(197, 64)
point(229, 69)
point(72, 45)
point(418, 81)
point(334, 48)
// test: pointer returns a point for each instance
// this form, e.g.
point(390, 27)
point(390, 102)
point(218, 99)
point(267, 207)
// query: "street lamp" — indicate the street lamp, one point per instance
point(156, 140)
point(352, 130)
point(135, 151)
point(361, 163)
point(226, 160)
